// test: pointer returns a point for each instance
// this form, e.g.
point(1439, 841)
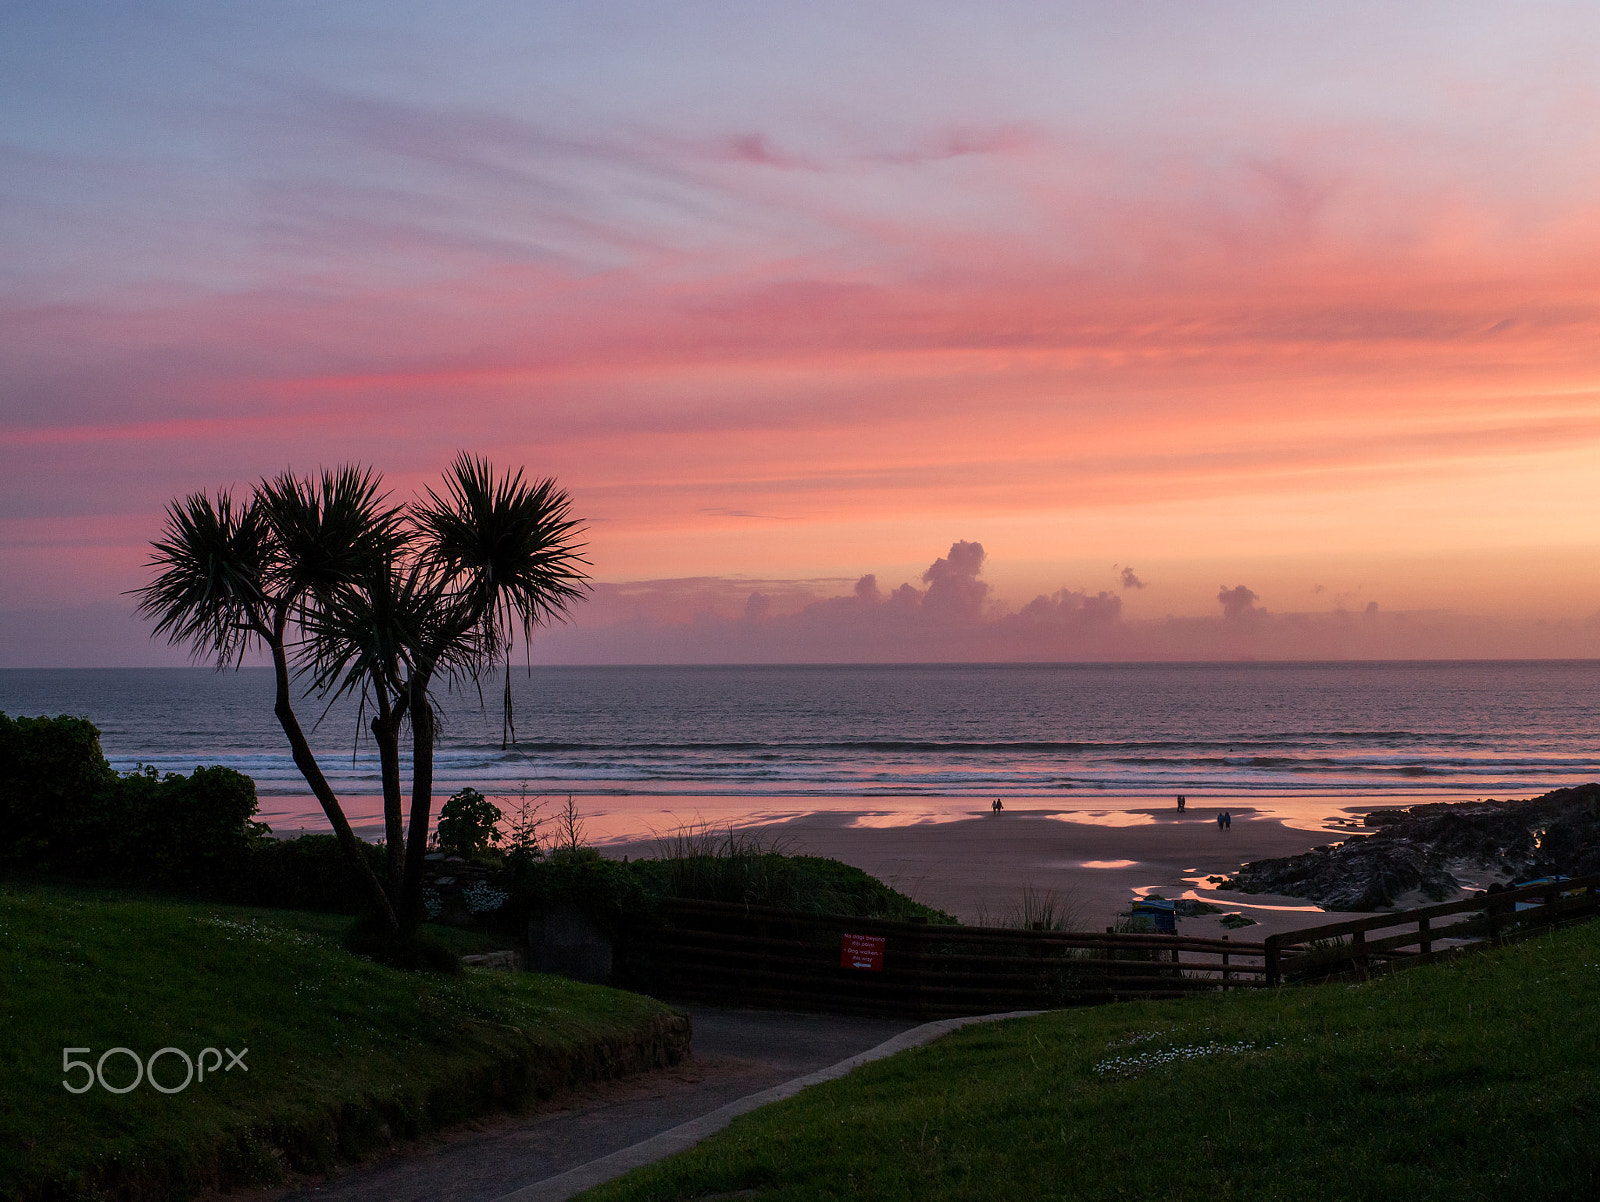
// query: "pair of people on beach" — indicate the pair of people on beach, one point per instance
point(996, 806)
point(1224, 819)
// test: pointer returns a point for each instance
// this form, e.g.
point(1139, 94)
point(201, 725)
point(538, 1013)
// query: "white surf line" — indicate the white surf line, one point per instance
point(658, 1147)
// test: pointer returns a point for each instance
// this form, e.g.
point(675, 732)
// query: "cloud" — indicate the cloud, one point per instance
point(1067, 608)
point(758, 150)
point(1238, 603)
point(1129, 580)
point(955, 618)
point(960, 142)
point(954, 591)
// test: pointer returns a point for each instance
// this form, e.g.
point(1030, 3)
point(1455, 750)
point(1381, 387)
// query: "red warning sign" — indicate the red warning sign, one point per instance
point(862, 951)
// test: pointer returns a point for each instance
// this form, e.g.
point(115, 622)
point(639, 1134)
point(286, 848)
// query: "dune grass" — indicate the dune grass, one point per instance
point(1471, 1080)
point(344, 1054)
point(752, 867)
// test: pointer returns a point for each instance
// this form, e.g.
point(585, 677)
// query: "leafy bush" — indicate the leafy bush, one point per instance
point(467, 823)
point(53, 778)
point(615, 894)
point(65, 811)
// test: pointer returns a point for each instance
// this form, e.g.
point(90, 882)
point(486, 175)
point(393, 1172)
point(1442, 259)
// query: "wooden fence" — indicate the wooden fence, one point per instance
point(759, 956)
point(1489, 919)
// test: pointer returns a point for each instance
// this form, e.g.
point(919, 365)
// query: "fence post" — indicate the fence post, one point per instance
point(1425, 935)
point(1358, 953)
point(1226, 975)
point(1274, 962)
point(918, 938)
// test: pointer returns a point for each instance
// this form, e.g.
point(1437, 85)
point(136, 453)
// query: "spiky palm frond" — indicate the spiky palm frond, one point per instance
point(368, 629)
point(212, 589)
point(509, 549)
point(328, 530)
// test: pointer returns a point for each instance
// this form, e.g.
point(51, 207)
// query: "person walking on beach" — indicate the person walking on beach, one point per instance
point(1181, 803)
point(1220, 817)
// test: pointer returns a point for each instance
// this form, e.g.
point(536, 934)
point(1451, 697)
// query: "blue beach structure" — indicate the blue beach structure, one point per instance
point(1163, 913)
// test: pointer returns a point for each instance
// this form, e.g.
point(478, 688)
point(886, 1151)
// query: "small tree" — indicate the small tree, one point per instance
point(468, 823)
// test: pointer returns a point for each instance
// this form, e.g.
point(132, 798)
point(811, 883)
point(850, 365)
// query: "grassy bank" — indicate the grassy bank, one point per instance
point(344, 1055)
point(1475, 1080)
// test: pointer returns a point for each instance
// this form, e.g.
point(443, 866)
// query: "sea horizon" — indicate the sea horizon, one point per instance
point(895, 733)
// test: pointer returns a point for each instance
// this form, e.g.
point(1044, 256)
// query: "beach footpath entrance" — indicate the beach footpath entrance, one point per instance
point(737, 955)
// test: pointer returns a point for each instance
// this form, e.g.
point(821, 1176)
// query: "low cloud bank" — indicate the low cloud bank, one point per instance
point(949, 614)
point(955, 617)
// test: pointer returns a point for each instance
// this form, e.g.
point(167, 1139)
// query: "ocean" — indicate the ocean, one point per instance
point(1368, 730)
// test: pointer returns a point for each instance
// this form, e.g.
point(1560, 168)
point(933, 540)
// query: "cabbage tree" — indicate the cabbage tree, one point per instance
point(352, 596)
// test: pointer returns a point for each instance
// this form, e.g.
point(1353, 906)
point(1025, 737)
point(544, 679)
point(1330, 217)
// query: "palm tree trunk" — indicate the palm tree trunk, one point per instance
point(386, 734)
point(422, 735)
point(306, 761)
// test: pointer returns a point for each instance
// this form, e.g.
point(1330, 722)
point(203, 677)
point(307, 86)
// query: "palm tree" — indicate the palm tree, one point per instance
point(384, 603)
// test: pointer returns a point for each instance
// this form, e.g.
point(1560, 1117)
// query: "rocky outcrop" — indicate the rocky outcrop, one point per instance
point(1414, 850)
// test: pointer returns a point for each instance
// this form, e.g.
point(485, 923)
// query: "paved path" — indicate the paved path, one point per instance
point(669, 1143)
point(737, 1053)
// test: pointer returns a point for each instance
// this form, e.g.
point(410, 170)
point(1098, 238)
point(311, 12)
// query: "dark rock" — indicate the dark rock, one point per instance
point(1352, 876)
point(1558, 833)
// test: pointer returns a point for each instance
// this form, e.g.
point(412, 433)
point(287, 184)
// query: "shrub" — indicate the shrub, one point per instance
point(66, 811)
point(613, 893)
point(53, 780)
point(523, 822)
point(467, 823)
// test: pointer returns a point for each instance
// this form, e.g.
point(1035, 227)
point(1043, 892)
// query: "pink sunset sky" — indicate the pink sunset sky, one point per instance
point(885, 331)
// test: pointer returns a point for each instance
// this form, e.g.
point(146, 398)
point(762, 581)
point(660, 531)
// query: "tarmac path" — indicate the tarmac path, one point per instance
point(736, 1053)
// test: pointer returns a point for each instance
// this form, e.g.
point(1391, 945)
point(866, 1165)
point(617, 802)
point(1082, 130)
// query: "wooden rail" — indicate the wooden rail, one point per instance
point(757, 955)
point(1490, 919)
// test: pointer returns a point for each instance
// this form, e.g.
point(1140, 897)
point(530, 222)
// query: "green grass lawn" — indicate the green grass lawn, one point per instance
point(1473, 1080)
point(344, 1054)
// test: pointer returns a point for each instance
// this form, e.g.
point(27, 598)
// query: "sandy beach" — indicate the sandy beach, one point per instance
point(1098, 861)
point(954, 853)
